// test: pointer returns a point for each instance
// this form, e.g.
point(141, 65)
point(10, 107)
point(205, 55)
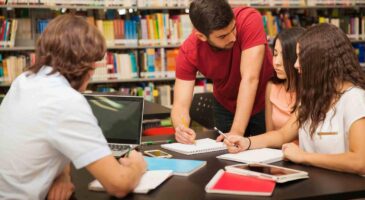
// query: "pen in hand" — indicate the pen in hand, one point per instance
point(224, 135)
point(186, 125)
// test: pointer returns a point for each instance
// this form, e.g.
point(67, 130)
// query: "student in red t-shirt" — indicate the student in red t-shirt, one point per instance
point(230, 48)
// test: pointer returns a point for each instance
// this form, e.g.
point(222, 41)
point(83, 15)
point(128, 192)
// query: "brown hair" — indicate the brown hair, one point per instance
point(70, 46)
point(327, 60)
point(288, 39)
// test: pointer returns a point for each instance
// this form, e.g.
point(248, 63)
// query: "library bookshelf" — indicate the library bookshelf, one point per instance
point(150, 52)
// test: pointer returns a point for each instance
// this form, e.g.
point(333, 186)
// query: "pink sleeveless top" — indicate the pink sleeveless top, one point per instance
point(282, 102)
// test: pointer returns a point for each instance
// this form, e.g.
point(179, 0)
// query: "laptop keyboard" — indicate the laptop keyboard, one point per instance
point(119, 149)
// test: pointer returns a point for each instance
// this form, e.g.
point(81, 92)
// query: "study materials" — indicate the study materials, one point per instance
point(265, 171)
point(158, 142)
point(120, 119)
point(264, 155)
point(149, 181)
point(231, 183)
point(178, 166)
point(201, 146)
point(157, 153)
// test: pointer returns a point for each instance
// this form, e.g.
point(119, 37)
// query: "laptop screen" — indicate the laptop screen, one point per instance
point(119, 117)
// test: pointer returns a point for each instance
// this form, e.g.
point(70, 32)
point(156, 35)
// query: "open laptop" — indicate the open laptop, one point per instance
point(120, 118)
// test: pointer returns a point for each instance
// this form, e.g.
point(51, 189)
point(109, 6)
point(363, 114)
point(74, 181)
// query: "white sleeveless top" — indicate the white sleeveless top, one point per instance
point(331, 136)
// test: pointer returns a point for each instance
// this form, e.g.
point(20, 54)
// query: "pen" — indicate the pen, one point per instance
point(221, 133)
point(127, 154)
point(158, 142)
point(185, 124)
point(224, 135)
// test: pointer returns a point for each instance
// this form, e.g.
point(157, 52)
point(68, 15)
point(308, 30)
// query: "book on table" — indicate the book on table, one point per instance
point(201, 146)
point(264, 155)
point(231, 183)
point(149, 181)
point(180, 167)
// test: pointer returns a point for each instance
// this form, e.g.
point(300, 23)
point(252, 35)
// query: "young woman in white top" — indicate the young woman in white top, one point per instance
point(46, 123)
point(330, 117)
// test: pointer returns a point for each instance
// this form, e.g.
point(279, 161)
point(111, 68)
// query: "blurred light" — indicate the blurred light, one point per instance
point(122, 11)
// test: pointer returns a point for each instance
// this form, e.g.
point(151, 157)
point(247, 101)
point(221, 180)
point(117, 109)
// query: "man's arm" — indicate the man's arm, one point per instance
point(119, 178)
point(251, 62)
point(62, 187)
point(183, 94)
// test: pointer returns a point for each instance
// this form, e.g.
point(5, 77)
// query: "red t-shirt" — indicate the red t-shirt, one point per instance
point(223, 67)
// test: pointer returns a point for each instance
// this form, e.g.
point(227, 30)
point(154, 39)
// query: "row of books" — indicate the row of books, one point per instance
point(353, 26)
point(12, 66)
point(153, 63)
point(125, 3)
point(183, 3)
point(8, 29)
point(153, 29)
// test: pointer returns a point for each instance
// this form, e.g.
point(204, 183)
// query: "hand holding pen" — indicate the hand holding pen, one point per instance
point(183, 133)
point(235, 143)
point(134, 159)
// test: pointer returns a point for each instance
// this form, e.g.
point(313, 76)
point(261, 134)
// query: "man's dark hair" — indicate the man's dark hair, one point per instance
point(210, 15)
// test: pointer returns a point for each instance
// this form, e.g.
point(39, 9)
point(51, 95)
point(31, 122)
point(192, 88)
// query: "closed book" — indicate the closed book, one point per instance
point(231, 183)
point(179, 167)
point(264, 155)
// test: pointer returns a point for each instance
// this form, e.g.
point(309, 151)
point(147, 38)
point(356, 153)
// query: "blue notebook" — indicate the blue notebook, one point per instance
point(178, 166)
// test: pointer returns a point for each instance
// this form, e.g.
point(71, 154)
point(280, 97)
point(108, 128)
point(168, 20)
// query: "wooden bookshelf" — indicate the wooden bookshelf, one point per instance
point(138, 80)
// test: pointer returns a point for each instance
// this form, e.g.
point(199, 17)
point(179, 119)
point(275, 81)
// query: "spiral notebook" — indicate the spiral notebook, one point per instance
point(201, 146)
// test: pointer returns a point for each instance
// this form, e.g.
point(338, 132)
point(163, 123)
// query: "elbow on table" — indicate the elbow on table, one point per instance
point(359, 167)
point(119, 188)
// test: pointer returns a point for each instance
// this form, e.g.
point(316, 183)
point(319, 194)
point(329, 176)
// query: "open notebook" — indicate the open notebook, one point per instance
point(264, 155)
point(201, 146)
point(149, 181)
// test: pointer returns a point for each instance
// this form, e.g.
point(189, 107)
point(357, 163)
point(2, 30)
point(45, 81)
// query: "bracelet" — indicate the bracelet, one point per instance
point(249, 145)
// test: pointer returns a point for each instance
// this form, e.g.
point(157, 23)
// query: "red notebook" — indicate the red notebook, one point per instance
point(230, 183)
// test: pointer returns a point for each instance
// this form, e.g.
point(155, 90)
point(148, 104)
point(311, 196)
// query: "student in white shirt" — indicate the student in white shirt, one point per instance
point(46, 123)
point(330, 117)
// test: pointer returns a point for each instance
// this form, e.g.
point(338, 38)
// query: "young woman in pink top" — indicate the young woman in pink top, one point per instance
point(281, 90)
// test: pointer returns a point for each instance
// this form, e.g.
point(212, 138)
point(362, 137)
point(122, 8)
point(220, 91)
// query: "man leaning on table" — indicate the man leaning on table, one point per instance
point(230, 48)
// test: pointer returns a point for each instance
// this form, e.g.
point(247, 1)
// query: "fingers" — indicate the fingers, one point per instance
point(220, 138)
point(185, 135)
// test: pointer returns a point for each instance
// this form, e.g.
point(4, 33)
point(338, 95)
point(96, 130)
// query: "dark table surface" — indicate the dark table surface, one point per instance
point(322, 183)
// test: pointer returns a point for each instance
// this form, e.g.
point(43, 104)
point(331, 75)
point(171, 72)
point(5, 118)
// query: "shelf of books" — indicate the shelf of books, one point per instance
point(143, 36)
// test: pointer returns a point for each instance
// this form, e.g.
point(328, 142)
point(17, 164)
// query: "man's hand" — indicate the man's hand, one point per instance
point(61, 188)
point(136, 160)
point(236, 143)
point(185, 135)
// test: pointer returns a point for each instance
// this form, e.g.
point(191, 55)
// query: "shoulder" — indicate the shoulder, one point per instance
point(190, 45)
point(243, 14)
point(354, 95)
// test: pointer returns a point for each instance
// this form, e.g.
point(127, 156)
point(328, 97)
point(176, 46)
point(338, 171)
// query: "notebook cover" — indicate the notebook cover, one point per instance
point(264, 155)
point(230, 183)
point(178, 166)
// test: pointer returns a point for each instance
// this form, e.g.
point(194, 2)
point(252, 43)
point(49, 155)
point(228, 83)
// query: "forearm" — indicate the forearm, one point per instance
point(245, 101)
point(272, 139)
point(180, 116)
point(345, 162)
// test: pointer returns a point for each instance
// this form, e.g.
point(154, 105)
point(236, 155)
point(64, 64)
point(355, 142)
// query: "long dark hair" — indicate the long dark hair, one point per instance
point(327, 60)
point(288, 39)
point(70, 45)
